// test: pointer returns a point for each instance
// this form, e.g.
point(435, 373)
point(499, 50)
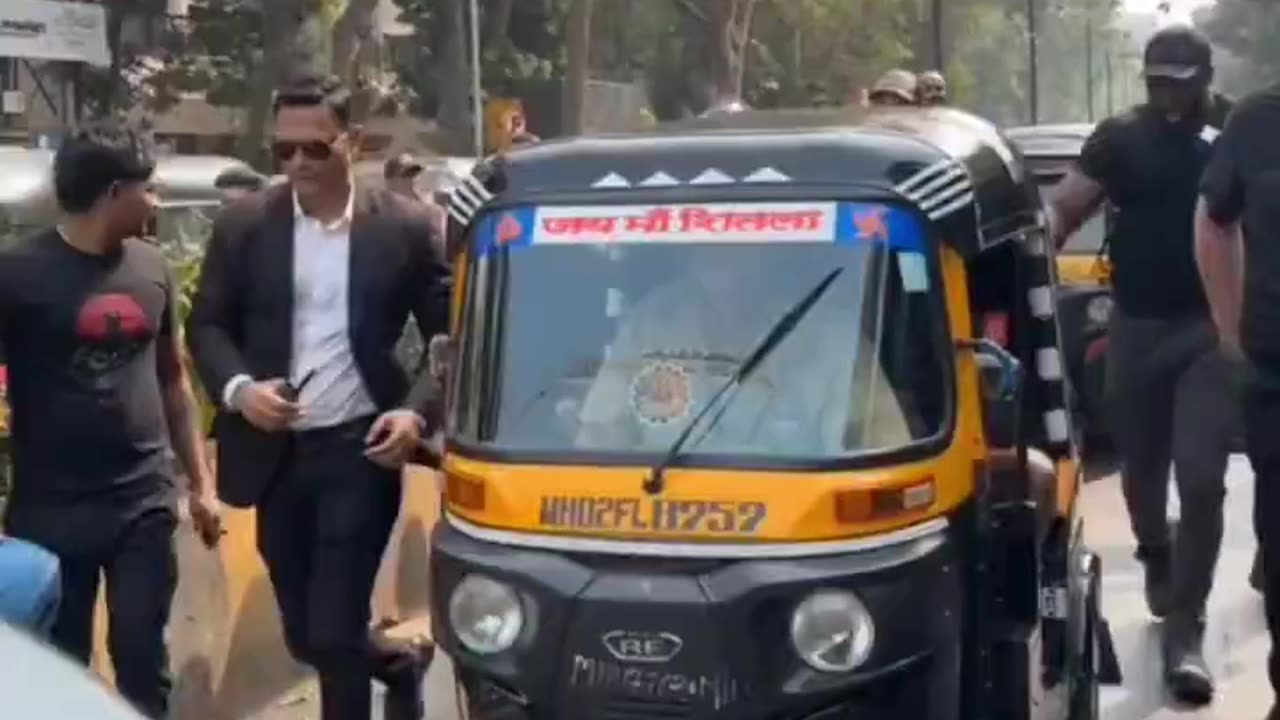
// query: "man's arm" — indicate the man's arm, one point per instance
point(1218, 256)
point(1074, 200)
point(1218, 237)
point(213, 328)
point(182, 414)
point(1077, 197)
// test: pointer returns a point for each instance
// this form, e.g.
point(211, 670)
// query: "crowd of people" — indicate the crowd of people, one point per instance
point(307, 283)
point(903, 87)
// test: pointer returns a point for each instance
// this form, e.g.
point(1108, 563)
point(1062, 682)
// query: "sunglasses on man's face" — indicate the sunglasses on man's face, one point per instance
point(284, 150)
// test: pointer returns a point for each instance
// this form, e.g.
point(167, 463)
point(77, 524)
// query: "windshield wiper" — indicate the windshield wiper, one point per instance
point(656, 480)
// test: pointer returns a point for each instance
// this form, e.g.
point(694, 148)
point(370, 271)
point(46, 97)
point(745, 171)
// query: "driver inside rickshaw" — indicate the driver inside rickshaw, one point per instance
point(684, 339)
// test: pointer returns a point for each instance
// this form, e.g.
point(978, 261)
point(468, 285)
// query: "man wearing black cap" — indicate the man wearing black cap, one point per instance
point(1238, 198)
point(1169, 388)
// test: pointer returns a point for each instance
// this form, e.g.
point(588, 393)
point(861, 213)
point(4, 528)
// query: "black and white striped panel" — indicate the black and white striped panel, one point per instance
point(466, 199)
point(940, 189)
point(1049, 371)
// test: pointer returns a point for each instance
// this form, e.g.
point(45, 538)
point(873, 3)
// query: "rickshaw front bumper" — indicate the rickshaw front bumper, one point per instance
point(631, 637)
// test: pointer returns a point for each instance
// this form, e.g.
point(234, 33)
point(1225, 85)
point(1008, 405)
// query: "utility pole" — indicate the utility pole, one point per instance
point(939, 58)
point(1111, 100)
point(1033, 70)
point(477, 101)
point(1088, 62)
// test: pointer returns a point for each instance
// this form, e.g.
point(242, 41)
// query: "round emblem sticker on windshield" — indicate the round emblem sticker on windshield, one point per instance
point(661, 393)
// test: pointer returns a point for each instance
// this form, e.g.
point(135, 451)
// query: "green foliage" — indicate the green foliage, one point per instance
point(1246, 29)
point(218, 51)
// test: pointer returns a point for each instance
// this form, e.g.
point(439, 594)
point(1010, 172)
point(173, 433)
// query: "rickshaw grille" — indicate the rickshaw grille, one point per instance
point(645, 710)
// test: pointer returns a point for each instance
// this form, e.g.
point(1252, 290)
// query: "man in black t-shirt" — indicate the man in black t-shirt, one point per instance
point(1168, 387)
point(1239, 192)
point(99, 400)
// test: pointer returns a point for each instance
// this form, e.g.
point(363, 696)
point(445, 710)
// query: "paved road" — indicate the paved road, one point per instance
point(1236, 642)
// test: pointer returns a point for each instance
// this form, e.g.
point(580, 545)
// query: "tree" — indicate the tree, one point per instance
point(988, 62)
point(105, 90)
point(820, 52)
point(575, 83)
point(1246, 30)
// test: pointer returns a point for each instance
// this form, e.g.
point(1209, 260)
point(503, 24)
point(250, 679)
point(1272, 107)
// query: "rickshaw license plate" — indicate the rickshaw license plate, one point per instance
point(654, 515)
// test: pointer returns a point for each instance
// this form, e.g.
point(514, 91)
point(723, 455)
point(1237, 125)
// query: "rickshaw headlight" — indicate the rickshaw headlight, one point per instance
point(832, 631)
point(485, 614)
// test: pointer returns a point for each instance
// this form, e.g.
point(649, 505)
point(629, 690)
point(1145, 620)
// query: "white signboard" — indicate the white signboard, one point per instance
point(50, 30)
point(712, 222)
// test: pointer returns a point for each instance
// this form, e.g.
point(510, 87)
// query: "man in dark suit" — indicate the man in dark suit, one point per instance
point(305, 289)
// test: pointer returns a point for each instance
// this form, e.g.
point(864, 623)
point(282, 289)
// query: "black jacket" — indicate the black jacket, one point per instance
point(242, 315)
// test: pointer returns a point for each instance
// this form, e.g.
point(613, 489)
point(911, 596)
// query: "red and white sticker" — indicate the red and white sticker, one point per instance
point(686, 223)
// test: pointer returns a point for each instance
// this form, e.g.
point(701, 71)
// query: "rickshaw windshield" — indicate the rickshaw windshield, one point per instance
point(604, 330)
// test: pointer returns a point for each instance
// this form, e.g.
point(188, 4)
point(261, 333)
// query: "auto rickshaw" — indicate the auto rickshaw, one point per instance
point(1084, 295)
point(763, 416)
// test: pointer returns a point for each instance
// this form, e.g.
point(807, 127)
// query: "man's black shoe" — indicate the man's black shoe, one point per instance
point(1185, 671)
point(401, 663)
point(1159, 579)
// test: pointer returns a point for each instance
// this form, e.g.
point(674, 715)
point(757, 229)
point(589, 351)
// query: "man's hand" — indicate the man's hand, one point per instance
point(393, 438)
point(266, 404)
point(206, 516)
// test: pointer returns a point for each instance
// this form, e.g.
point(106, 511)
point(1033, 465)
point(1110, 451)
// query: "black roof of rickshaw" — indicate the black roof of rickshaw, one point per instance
point(777, 154)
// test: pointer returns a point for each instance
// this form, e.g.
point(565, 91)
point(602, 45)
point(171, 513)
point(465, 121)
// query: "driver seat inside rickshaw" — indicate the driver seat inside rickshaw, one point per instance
point(1002, 317)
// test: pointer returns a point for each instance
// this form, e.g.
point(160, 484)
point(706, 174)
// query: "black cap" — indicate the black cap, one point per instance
point(1178, 52)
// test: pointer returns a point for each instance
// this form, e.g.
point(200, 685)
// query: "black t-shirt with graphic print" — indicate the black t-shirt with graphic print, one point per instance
point(80, 335)
point(1242, 184)
point(1150, 171)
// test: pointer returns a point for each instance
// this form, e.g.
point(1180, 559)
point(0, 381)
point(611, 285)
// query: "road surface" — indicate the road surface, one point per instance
point(1236, 642)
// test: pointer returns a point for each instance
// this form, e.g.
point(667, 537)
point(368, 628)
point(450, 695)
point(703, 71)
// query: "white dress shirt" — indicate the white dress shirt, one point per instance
point(321, 338)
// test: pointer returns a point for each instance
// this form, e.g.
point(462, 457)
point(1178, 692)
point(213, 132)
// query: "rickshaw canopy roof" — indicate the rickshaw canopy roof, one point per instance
point(955, 167)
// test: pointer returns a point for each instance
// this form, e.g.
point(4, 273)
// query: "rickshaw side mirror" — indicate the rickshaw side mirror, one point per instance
point(440, 357)
point(999, 370)
point(1000, 380)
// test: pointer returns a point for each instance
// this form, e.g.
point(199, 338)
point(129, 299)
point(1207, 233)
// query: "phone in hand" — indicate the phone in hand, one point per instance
point(291, 392)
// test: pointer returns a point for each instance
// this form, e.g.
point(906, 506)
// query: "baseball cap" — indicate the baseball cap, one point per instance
point(402, 165)
point(1178, 52)
point(901, 83)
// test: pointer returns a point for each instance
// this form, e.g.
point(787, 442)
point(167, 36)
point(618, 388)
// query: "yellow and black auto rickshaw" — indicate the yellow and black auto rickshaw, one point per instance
point(738, 426)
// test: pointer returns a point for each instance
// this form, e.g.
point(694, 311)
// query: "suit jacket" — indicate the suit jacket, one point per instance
point(241, 318)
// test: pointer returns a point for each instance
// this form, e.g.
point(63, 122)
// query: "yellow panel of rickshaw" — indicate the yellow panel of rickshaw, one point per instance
point(1068, 484)
point(726, 505)
point(703, 504)
point(461, 262)
point(1083, 269)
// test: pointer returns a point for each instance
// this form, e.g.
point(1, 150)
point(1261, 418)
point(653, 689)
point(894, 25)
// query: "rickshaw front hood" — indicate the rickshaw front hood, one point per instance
point(702, 505)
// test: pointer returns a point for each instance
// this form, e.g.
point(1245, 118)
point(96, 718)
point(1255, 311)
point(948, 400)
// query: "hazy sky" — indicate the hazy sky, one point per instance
point(1181, 8)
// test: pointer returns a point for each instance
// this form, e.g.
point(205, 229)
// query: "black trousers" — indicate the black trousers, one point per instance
point(135, 553)
point(1262, 441)
point(322, 529)
point(1173, 401)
